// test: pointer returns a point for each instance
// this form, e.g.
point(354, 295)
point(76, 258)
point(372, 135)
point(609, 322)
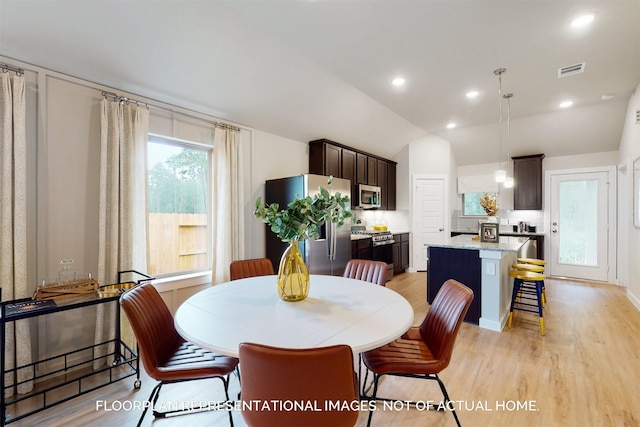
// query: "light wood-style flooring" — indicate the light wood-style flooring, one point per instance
point(584, 372)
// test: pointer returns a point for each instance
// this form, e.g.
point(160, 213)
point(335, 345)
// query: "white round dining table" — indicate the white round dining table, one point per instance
point(338, 310)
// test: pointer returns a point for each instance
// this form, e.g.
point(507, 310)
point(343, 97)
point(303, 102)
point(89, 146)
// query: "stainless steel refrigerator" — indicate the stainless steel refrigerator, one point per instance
point(328, 254)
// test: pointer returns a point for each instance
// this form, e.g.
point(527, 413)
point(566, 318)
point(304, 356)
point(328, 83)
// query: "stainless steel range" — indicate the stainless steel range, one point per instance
point(381, 247)
point(377, 237)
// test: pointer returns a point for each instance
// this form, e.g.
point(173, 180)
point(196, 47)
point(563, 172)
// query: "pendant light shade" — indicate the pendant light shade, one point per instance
point(508, 182)
point(500, 175)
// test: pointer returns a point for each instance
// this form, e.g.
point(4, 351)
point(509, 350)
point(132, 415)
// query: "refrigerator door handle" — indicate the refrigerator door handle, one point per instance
point(334, 241)
point(331, 240)
point(328, 237)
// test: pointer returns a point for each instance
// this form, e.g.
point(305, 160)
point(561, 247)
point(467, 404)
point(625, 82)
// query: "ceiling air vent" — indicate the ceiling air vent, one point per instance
point(638, 117)
point(570, 70)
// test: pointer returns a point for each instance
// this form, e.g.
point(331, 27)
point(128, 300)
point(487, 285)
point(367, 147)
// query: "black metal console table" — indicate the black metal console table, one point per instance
point(79, 376)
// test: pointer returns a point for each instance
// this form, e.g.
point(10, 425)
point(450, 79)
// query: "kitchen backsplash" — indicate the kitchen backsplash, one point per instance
point(397, 221)
point(507, 218)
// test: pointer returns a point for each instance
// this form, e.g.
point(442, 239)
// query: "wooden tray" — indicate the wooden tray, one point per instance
point(71, 289)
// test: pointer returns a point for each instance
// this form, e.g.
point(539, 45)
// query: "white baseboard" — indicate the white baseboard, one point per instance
point(634, 300)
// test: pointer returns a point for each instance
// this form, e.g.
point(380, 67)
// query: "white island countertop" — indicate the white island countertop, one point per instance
point(465, 241)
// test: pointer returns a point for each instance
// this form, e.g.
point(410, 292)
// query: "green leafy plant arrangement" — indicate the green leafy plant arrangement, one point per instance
point(303, 218)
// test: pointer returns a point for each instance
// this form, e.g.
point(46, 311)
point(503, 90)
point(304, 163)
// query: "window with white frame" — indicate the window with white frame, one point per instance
point(178, 200)
point(471, 204)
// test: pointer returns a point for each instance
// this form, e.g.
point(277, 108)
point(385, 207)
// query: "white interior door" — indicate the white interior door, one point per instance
point(579, 225)
point(429, 209)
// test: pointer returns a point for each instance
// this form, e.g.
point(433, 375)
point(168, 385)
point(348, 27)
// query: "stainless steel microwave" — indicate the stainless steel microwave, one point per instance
point(368, 197)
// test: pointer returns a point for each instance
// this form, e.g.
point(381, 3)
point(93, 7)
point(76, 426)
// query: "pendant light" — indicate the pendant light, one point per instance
point(500, 175)
point(508, 182)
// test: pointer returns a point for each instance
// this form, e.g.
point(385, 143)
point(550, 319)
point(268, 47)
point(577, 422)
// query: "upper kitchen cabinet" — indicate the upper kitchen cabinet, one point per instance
point(391, 186)
point(527, 174)
point(331, 158)
point(372, 171)
point(381, 174)
point(362, 168)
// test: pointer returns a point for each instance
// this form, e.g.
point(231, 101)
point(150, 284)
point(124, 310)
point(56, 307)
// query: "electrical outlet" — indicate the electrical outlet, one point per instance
point(491, 269)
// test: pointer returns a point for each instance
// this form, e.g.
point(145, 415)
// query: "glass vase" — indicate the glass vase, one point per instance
point(293, 276)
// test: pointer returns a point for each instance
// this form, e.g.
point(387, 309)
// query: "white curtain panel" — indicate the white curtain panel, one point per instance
point(13, 224)
point(123, 201)
point(228, 202)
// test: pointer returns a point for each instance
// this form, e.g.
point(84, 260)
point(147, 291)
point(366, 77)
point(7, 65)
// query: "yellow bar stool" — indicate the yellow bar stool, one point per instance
point(539, 263)
point(528, 267)
point(527, 287)
point(534, 261)
point(535, 269)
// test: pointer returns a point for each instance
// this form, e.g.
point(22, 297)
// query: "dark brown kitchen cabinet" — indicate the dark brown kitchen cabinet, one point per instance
point(527, 175)
point(372, 171)
point(391, 186)
point(382, 183)
point(325, 159)
point(361, 249)
point(400, 252)
point(361, 168)
point(349, 172)
point(331, 158)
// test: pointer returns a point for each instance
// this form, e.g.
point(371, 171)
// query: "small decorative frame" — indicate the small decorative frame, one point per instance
point(489, 232)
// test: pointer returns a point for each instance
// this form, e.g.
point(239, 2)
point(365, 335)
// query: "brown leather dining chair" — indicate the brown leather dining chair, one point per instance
point(250, 268)
point(309, 376)
point(425, 350)
point(367, 270)
point(166, 356)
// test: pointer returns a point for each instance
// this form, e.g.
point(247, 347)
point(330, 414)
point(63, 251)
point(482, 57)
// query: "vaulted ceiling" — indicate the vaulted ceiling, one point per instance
point(311, 69)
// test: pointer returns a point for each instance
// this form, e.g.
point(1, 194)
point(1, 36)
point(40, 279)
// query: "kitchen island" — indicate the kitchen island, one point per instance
point(484, 267)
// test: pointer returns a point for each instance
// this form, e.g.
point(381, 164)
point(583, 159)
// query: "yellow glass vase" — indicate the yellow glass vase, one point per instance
point(293, 276)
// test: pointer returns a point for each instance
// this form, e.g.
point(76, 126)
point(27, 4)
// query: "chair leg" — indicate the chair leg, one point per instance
point(447, 399)
point(514, 296)
point(153, 398)
point(156, 414)
point(539, 294)
point(225, 382)
point(376, 377)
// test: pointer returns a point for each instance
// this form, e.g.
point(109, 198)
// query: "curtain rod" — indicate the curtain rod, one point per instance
point(6, 68)
point(124, 99)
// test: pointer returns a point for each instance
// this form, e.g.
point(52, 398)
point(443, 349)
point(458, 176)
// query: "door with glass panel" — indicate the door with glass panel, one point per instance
point(579, 225)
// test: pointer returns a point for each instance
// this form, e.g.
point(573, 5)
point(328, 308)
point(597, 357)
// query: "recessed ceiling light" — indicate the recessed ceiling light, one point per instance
point(398, 81)
point(566, 104)
point(606, 97)
point(583, 20)
point(472, 94)
point(451, 125)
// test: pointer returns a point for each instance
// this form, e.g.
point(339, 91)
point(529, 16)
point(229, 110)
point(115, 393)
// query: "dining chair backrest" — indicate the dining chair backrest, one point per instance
point(166, 356)
point(308, 375)
point(367, 270)
point(439, 329)
point(250, 268)
point(153, 326)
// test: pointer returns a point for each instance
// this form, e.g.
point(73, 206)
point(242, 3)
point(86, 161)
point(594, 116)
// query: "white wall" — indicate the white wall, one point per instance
point(270, 157)
point(628, 235)
point(63, 138)
point(63, 134)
